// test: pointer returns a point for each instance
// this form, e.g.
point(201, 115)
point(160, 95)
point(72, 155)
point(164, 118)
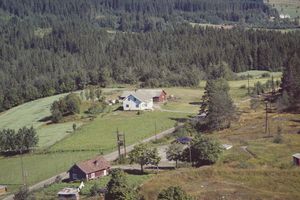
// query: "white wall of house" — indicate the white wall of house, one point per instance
point(132, 103)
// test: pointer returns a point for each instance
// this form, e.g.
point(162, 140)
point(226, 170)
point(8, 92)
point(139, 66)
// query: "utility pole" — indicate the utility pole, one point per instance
point(121, 143)
point(22, 168)
point(267, 128)
point(190, 152)
point(155, 131)
point(248, 76)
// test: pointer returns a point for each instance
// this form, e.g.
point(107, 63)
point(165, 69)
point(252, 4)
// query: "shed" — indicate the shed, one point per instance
point(183, 140)
point(296, 159)
point(3, 189)
point(226, 146)
point(68, 194)
point(89, 169)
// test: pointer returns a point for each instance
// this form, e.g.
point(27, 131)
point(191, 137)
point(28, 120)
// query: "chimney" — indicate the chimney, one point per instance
point(96, 162)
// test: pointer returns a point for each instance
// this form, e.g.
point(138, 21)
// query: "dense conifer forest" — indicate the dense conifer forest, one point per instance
point(49, 47)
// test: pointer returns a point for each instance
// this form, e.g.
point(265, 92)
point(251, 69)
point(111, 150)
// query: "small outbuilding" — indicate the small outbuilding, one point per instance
point(68, 194)
point(3, 189)
point(296, 159)
point(89, 169)
point(226, 146)
point(183, 140)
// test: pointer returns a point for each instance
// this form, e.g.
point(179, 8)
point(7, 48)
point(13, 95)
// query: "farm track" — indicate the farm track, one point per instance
point(110, 157)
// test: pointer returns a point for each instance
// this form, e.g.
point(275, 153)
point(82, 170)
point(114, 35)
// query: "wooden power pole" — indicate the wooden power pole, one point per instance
point(248, 76)
point(267, 128)
point(121, 143)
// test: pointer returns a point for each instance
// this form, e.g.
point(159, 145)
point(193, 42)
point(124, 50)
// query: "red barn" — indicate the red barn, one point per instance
point(89, 169)
point(296, 159)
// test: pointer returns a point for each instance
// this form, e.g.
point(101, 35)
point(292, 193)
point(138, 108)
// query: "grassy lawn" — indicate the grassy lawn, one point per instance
point(101, 133)
point(291, 7)
point(31, 114)
point(51, 191)
point(186, 99)
point(37, 167)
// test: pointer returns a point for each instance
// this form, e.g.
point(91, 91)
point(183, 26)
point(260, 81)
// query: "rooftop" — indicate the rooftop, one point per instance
point(297, 155)
point(93, 165)
point(67, 191)
point(145, 94)
point(3, 186)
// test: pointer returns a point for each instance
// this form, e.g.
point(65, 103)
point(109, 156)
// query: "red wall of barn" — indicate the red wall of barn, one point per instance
point(162, 97)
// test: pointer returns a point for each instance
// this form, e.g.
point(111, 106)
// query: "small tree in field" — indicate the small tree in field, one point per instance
point(204, 151)
point(23, 194)
point(173, 193)
point(174, 152)
point(142, 154)
point(117, 187)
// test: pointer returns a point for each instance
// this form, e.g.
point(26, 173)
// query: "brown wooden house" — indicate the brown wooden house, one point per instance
point(89, 169)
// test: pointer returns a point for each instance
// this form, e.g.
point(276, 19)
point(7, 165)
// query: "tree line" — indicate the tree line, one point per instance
point(141, 15)
point(18, 142)
point(74, 54)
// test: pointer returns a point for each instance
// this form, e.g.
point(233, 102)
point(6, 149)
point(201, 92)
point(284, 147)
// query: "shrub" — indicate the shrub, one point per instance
point(204, 151)
point(140, 112)
point(265, 75)
point(58, 179)
point(173, 193)
point(96, 108)
point(243, 86)
point(278, 138)
point(94, 190)
point(23, 194)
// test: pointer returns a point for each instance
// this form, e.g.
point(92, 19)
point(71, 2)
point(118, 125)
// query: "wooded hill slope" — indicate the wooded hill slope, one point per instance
point(51, 47)
point(142, 14)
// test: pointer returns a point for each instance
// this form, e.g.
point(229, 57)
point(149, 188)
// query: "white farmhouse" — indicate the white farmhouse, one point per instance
point(138, 101)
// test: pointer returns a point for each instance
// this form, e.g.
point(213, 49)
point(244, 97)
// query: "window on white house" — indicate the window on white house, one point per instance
point(134, 99)
point(127, 105)
point(136, 105)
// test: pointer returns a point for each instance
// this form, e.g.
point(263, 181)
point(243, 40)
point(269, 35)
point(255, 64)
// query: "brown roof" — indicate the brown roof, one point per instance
point(93, 165)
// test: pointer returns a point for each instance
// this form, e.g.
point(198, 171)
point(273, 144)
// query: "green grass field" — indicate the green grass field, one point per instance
point(101, 133)
point(37, 167)
point(31, 114)
point(290, 7)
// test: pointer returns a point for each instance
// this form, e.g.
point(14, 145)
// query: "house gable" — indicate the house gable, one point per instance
point(76, 173)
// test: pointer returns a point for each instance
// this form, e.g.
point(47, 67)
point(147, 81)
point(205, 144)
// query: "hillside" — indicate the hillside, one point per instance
point(255, 168)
